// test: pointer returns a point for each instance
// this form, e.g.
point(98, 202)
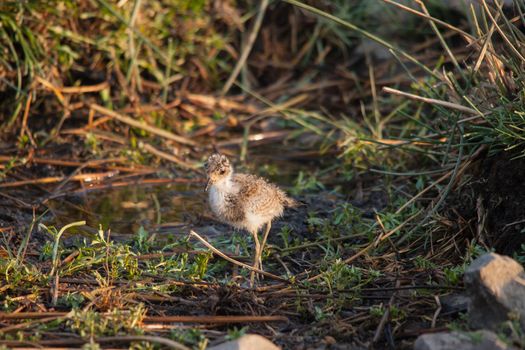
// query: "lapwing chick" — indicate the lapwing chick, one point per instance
point(244, 201)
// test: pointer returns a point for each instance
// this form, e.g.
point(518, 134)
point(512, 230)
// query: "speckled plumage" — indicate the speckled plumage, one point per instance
point(243, 201)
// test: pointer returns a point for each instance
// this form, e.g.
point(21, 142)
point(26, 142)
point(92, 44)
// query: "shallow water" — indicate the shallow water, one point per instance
point(166, 208)
point(124, 210)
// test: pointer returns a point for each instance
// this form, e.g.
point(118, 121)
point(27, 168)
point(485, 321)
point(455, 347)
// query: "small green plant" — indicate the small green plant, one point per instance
point(91, 346)
point(346, 214)
point(285, 233)
point(306, 182)
point(71, 300)
point(7, 167)
point(199, 266)
point(474, 251)
point(339, 275)
point(321, 314)
point(423, 263)
point(454, 274)
point(55, 256)
point(142, 241)
point(377, 311)
point(46, 251)
point(143, 345)
point(236, 333)
point(117, 259)
point(191, 336)
point(92, 143)
point(19, 275)
point(397, 314)
point(90, 324)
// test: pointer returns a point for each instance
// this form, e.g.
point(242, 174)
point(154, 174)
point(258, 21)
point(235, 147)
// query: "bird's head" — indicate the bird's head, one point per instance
point(218, 168)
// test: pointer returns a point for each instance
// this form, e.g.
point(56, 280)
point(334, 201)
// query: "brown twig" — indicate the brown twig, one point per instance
point(159, 319)
point(385, 317)
point(24, 128)
point(177, 252)
point(226, 104)
point(137, 124)
point(78, 342)
point(36, 320)
point(92, 177)
point(247, 47)
point(438, 311)
point(216, 319)
point(432, 101)
point(184, 164)
point(233, 261)
point(94, 163)
point(84, 89)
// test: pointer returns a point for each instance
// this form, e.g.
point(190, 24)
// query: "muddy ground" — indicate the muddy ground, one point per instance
point(369, 260)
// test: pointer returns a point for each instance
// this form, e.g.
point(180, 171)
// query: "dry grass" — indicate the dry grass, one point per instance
point(129, 95)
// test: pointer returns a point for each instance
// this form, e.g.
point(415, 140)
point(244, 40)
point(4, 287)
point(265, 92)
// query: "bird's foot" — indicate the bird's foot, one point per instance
point(260, 267)
point(254, 277)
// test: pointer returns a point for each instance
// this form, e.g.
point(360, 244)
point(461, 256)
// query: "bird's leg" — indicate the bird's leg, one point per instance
point(256, 257)
point(265, 237)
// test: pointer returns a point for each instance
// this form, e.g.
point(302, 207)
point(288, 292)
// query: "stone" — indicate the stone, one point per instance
point(454, 303)
point(371, 47)
point(480, 340)
point(496, 286)
point(247, 342)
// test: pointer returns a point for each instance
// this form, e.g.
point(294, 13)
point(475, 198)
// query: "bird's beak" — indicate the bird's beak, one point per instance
point(208, 182)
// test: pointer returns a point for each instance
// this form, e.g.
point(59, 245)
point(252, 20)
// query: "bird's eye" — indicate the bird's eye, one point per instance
point(222, 171)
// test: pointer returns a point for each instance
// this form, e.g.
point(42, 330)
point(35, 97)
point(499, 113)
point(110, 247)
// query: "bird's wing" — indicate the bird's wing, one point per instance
point(259, 196)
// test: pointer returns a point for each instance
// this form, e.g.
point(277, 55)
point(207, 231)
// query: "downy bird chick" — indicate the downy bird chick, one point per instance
point(244, 201)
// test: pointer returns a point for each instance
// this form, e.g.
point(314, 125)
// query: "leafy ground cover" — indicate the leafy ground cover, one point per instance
point(409, 167)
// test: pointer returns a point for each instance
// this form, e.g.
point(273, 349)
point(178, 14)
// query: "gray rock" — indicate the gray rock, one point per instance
point(247, 342)
point(368, 46)
point(454, 303)
point(480, 340)
point(496, 285)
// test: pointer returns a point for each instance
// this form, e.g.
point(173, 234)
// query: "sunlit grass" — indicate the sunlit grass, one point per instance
point(413, 149)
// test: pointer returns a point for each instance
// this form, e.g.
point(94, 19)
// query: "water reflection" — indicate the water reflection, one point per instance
point(162, 208)
point(124, 210)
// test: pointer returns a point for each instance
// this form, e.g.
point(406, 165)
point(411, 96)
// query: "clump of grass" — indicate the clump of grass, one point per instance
point(191, 336)
point(457, 107)
point(90, 324)
point(127, 43)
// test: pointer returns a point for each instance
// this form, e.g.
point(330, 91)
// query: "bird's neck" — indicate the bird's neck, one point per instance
point(224, 185)
point(219, 191)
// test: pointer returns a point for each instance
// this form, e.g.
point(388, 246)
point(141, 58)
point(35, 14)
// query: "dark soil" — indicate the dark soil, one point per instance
point(492, 203)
